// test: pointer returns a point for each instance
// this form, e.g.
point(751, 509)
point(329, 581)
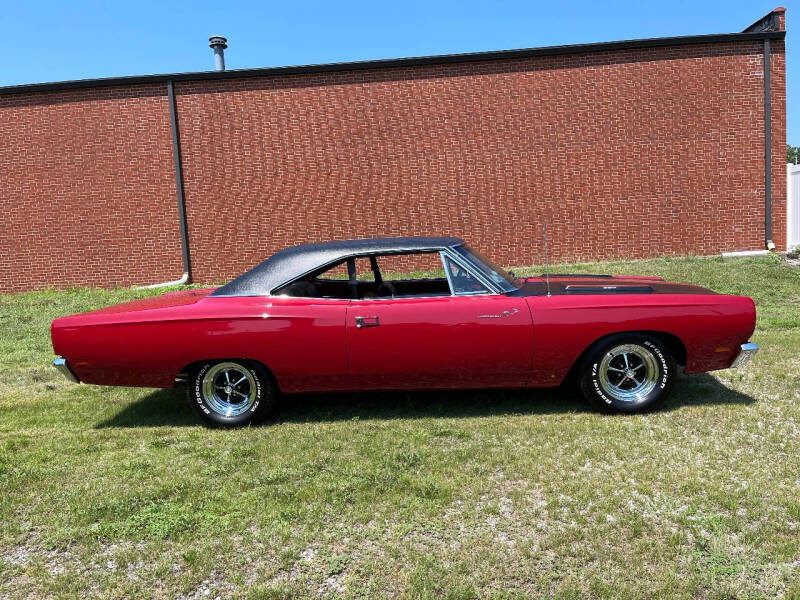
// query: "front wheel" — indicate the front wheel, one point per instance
point(231, 393)
point(627, 373)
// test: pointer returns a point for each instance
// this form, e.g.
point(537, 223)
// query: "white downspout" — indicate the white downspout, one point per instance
point(184, 278)
point(745, 253)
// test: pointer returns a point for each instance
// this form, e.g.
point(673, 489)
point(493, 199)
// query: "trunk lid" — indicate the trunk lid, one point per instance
point(170, 299)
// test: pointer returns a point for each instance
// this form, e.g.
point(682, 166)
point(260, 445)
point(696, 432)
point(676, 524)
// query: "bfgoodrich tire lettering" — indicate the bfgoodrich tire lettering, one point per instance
point(231, 393)
point(627, 373)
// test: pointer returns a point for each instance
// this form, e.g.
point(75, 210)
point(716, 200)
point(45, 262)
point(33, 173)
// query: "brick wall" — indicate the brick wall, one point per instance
point(87, 189)
point(632, 153)
point(778, 99)
point(628, 154)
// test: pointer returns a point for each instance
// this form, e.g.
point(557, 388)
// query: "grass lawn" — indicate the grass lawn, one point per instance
point(119, 493)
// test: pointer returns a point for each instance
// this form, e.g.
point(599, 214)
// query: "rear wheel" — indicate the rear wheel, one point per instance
point(231, 393)
point(627, 373)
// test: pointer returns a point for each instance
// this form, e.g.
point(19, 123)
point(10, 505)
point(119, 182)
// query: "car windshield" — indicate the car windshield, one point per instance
point(498, 275)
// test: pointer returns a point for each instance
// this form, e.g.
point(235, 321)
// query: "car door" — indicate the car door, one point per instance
point(301, 339)
point(470, 338)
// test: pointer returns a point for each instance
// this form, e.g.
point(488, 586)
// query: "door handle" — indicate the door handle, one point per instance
point(367, 322)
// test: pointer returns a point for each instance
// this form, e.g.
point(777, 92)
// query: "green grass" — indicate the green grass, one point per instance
point(118, 493)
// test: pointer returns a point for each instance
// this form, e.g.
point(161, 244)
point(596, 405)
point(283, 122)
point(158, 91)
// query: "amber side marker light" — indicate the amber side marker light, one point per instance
point(723, 349)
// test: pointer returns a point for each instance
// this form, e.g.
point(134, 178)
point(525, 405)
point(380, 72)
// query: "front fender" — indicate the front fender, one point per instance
point(711, 328)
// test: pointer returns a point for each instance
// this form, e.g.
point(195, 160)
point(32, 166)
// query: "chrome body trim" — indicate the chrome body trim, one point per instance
point(450, 255)
point(61, 364)
point(443, 251)
point(384, 298)
point(443, 257)
point(296, 262)
point(505, 313)
point(490, 286)
point(469, 258)
point(447, 252)
point(371, 321)
point(469, 269)
point(288, 282)
point(746, 354)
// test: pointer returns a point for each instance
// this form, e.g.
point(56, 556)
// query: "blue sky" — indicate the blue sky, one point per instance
point(55, 40)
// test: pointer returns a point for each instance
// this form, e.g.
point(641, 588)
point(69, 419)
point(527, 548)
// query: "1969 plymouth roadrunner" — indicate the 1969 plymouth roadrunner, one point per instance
point(337, 316)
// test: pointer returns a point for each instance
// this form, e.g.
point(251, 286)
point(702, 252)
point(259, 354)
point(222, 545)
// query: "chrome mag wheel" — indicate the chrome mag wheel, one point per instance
point(229, 389)
point(628, 373)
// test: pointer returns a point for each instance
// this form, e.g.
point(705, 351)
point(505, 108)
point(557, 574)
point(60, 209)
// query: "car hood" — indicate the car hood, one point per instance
point(606, 284)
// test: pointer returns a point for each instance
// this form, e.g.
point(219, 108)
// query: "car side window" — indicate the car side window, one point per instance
point(364, 270)
point(406, 275)
point(333, 282)
point(462, 280)
point(335, 273)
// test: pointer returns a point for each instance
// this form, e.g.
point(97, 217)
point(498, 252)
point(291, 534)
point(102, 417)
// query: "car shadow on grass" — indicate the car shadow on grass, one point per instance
point(169, 408)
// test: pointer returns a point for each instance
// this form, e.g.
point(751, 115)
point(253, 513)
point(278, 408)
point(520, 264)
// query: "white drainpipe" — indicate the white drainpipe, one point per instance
point(745, 253)
point(184, 278)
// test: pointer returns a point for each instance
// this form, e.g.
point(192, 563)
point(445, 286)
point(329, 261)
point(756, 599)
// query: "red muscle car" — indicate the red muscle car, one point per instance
point(336, 316)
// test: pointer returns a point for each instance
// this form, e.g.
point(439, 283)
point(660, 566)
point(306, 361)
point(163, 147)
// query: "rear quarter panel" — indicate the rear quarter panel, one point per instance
point(565, 326)
point(301, 341)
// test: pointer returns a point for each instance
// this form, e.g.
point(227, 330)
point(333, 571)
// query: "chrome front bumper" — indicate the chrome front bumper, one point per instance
point(747, 352)
point(61, 365)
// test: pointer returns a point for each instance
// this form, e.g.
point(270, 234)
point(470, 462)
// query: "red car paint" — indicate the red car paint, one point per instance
point(312, 344)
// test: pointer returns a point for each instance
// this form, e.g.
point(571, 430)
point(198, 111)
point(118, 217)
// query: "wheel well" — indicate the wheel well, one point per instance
point(187, 370)
point(673, 343)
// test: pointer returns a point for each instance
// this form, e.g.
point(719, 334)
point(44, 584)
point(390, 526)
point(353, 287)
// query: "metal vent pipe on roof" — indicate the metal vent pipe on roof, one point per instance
point(218, 43)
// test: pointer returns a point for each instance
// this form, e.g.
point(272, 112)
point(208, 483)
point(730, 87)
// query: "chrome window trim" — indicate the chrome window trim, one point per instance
point(421, 297)
point(326, 266)
point(445, 257)
point(492, 284)
point(340, 260)
point(491, 287)
point(381, 298)
point(384, 298)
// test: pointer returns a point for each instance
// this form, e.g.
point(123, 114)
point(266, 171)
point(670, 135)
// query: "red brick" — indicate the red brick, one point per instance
point(628, 154)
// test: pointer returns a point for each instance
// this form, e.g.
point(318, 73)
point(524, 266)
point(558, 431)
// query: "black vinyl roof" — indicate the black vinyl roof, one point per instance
point(292, 263)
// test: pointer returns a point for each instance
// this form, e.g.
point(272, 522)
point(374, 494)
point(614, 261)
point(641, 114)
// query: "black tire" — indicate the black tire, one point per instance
point(627, 373)
point(216, 393)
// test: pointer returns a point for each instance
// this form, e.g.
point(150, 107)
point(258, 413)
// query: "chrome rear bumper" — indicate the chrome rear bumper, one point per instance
point(61, 365)
point(747, 352)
